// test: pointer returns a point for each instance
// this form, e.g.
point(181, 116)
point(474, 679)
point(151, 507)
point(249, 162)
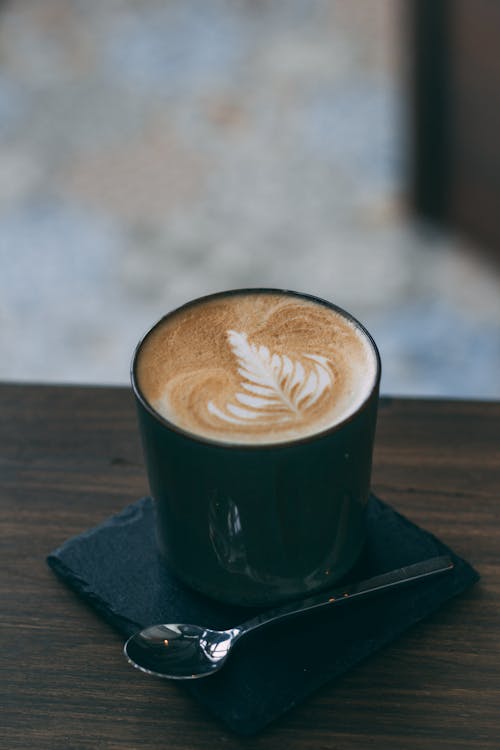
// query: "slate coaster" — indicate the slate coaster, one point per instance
point(116, 568)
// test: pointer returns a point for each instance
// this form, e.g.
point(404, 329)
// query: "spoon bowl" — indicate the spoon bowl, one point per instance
point(179, 651)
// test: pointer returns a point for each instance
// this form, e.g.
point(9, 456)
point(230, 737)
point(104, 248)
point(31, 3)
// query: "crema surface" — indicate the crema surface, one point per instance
point(256, 368)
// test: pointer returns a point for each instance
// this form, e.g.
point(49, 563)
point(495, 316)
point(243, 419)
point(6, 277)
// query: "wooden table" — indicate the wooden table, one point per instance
point(70, 457)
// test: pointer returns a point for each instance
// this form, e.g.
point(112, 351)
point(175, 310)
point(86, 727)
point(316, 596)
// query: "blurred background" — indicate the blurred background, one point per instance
point(152, 152)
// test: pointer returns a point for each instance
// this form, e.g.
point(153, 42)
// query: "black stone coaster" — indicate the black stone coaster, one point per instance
point(116, 568)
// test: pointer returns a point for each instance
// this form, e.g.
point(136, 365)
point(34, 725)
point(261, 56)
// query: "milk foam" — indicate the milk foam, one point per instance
point(276, 390)
point(256, 367)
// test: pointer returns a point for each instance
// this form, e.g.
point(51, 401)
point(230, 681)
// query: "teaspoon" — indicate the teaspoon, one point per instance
point(186, 652)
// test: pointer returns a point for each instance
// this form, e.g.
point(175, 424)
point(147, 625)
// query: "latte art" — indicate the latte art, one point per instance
point(276, 389)
point(256, 367)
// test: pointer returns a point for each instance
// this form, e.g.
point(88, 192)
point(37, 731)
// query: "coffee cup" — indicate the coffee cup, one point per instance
point(257, 411)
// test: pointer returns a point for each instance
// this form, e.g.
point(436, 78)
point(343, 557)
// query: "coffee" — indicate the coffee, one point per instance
point(256, 367)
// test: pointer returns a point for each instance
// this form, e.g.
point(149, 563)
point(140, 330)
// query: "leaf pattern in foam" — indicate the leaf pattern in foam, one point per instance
point(275, 388)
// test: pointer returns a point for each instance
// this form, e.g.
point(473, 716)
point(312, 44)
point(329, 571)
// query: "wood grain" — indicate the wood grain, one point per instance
point(70, 457)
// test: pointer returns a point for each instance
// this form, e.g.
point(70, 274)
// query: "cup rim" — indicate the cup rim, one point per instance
point(254, 446)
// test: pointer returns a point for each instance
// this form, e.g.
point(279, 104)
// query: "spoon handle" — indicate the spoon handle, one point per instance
point(389, 580)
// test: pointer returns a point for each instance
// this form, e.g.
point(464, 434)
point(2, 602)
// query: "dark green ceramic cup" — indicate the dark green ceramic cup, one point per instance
point(259, 524)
